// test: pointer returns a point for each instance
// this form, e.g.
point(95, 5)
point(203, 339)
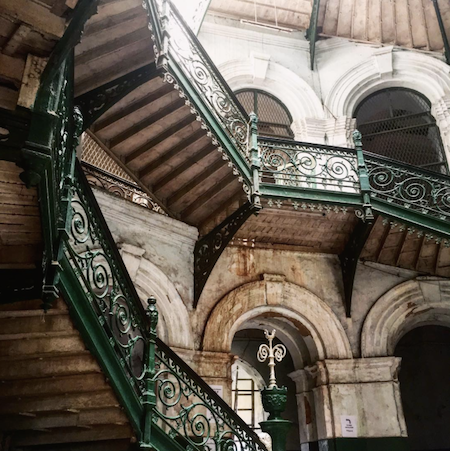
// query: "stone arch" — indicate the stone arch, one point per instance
point(273, 297)
point(419, 302)
point(294, 92)
point(389, 69)
point(174, 326)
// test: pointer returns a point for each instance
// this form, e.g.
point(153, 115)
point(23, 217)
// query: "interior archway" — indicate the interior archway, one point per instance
point(425, 392)
point(245, 345)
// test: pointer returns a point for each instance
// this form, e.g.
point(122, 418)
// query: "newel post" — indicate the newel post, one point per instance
point(255, 159)
point(149, 396)
point(366, 214)
point(274, 398)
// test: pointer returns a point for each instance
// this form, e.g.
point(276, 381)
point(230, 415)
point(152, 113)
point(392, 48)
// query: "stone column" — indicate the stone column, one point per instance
point(356, 402)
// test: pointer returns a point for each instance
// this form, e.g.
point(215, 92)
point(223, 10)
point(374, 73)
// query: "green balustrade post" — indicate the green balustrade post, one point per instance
point(255, 159)
point(274, 398)
point(149, 397)
point(367, 213)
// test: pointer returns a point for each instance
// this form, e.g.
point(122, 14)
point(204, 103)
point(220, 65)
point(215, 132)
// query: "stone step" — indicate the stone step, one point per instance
point(63, 385)
point(24, 346)
point(83, 418)
point(46, 366)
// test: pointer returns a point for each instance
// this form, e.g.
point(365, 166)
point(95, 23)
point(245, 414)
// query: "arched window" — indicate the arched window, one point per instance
point(397, 123)
point(274, 119)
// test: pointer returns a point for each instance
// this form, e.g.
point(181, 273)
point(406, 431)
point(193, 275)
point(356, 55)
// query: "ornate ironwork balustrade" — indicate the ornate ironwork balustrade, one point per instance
point(191, 70)
point(412, 189)
point(308, 166)
point(186, 406)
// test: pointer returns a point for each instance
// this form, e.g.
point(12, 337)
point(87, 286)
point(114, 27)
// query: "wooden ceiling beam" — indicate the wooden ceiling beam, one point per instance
point(113, 45)
point(159, 138)
point(34, 15)
point(112, 21)
point(195, 182)
point(234, 197)
point(208, 195)
point(182, 145)
point(146, 122)
point(132, 108)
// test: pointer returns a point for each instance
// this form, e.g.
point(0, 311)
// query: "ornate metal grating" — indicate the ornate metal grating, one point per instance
point(103, 172)
point(397, 123)
point(409, 188)
point(274, 119)
point(309, 166)
point(95, 155)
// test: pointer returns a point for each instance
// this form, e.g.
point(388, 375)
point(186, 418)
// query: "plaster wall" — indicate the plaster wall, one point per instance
point(322, 101)
point(318, 273)
point(165, 242)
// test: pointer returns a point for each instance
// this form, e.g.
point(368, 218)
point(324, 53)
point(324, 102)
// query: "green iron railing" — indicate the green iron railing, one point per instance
point(169, 392)
point(308, 166)
point(345, 176)
point(189, 67)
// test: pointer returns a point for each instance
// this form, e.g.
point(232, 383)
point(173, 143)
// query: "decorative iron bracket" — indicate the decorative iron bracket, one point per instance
point(209, 248)
point(95, 103)
point(349, 259)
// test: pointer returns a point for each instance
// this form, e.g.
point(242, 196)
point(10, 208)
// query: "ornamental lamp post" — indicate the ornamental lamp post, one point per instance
point(274, 398)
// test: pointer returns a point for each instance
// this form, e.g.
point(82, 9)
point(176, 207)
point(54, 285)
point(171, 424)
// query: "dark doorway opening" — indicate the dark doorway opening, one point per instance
point(425, 387)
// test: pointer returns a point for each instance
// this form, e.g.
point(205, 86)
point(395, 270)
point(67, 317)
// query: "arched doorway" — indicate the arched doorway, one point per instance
point(425, 388)
point(397, 123)
point(247, 383)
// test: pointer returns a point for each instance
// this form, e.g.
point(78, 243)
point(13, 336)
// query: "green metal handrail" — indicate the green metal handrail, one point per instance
point(193, 73)
point(90, 254)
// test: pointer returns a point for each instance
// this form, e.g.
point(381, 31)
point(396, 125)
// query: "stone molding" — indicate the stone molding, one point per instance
point(388, 68)
point(423, 301)
point(174, 327)
point(277, 298)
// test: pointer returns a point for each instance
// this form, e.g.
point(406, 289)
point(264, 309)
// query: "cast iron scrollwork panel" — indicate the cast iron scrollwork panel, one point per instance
point(188, 411)
point(309, 166)
point(412, 189)
point(194, 62)
point(93, 261)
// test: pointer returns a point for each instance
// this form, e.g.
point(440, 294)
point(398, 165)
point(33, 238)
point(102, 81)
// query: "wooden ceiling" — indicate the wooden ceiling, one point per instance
point(405, 23)
point(151, 131)
point(27, 27)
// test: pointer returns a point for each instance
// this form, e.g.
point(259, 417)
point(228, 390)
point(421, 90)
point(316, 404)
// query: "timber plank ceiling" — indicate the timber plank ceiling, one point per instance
point(405, 23)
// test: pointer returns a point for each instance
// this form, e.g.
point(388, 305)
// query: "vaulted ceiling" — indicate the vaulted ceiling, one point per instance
point(406, 23)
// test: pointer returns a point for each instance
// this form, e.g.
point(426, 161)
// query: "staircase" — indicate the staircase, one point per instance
point(52, 389)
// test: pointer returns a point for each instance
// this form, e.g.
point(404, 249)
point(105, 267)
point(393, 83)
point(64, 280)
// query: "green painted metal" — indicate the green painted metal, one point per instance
point(210, 247)
point(98, 342)
point(231, 151)
point(349, 259)
point(444, 32)
point(95, 103)
point(83, 11)
point(274, 402)
point(312, 32)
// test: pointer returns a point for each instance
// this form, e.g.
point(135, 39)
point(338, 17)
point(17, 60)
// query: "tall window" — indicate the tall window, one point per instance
point(274, 119)
point(397, 123)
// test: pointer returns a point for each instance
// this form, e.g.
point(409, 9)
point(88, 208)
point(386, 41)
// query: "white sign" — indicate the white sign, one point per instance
point(218, 389)
point(349, 426)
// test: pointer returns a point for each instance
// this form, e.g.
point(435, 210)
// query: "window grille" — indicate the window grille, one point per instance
point(274, 119)
point(397, 123)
